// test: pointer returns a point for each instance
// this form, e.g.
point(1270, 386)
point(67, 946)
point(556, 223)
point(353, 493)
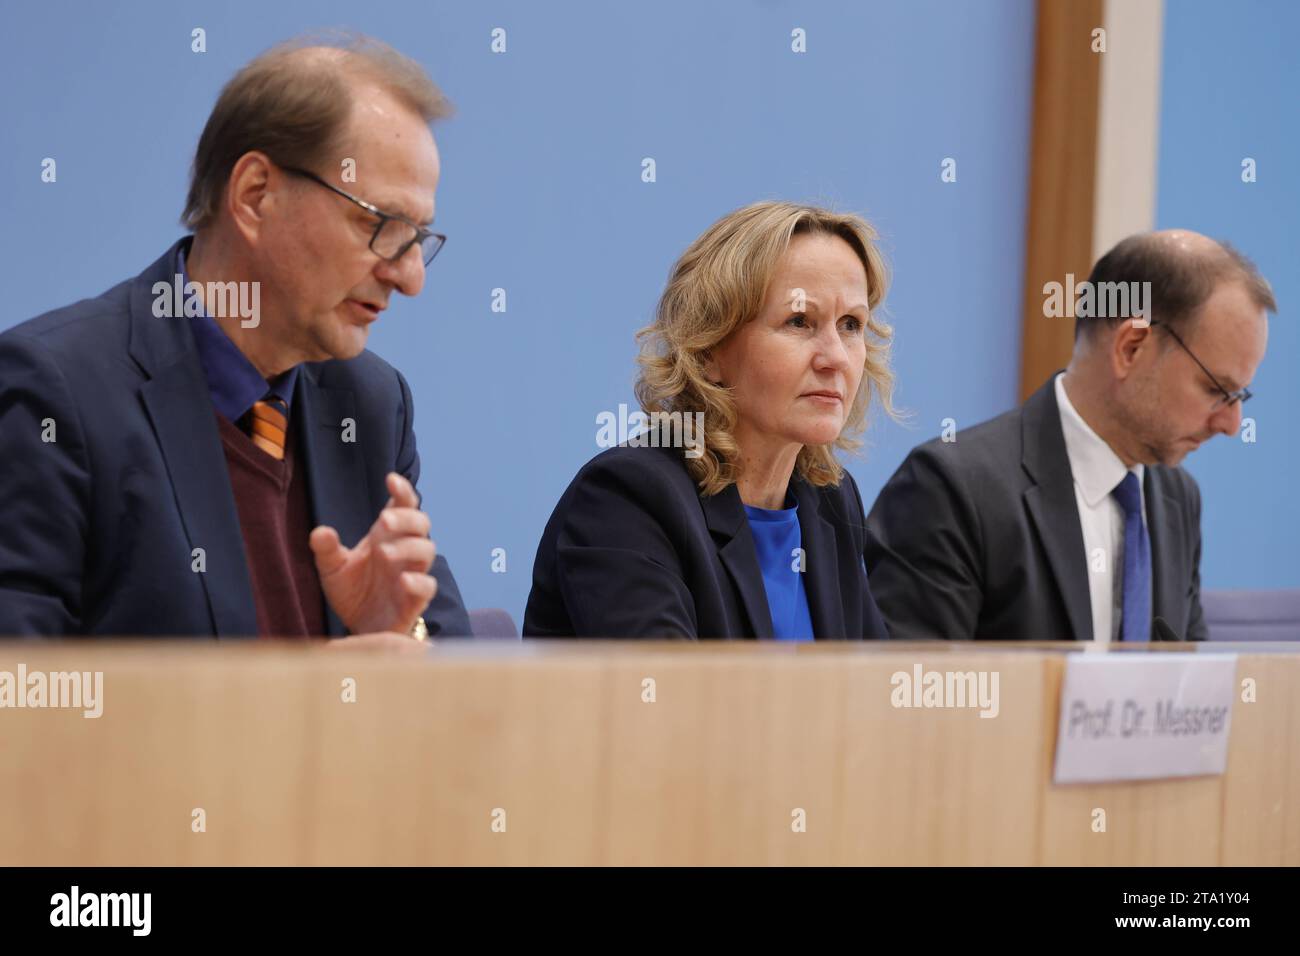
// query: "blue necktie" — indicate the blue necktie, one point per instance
point(1135, 624)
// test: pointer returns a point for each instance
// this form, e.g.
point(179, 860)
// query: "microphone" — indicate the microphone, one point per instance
point(1162, 631)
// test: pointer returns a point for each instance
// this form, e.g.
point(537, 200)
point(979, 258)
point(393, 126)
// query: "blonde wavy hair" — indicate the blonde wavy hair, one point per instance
point(718, 285)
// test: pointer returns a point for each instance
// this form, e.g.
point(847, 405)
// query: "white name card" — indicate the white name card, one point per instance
point(1144, 716)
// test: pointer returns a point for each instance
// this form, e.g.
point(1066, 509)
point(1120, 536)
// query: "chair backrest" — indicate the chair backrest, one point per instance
point(492, 622)
point(1252, 615)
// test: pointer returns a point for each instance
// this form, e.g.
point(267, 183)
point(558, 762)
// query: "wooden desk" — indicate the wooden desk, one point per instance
point(558, 736)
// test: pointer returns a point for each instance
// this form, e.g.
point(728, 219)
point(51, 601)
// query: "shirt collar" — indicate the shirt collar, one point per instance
point(233, 381)
point(1096, 468)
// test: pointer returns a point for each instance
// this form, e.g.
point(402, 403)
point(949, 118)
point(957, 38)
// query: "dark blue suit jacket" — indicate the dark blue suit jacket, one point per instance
point(634, 550)
point(100, 524)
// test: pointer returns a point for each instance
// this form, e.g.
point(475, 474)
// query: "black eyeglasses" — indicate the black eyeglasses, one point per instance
point(394, 235)
point(1227, 398)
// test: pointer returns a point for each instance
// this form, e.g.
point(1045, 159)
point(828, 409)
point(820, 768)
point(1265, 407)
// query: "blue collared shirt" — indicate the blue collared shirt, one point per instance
point(233, 381)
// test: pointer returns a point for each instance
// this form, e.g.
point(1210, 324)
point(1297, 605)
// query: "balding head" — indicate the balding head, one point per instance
point(1169, 369)
point(315, 181)
point(294, 103)
point(1183, 269)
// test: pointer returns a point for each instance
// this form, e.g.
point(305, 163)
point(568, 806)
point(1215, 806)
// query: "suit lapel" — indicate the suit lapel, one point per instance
point(725, 517)
point(179, 406)
point(336, 480)
point(1164, 527)
point(1052, 506)
point(821, 580)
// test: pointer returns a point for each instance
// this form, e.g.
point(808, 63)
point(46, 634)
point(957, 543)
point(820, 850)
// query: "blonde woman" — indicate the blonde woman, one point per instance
point(767, 336)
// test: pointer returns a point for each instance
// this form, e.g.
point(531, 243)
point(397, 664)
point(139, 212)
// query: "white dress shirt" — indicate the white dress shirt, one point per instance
point(1097, 470)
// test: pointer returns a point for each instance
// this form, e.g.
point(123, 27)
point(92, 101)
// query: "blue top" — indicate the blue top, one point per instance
point(233, 381)
point(776, 536)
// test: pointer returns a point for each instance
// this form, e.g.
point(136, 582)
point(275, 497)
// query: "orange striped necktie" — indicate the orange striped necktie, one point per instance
point(270, 423)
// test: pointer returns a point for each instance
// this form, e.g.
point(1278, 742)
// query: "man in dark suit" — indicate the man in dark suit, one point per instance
point(207, 449)
point(1069, 518)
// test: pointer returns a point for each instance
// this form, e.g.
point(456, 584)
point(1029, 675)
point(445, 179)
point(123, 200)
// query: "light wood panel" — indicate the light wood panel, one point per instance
point(1062, 177)
point(739, 737)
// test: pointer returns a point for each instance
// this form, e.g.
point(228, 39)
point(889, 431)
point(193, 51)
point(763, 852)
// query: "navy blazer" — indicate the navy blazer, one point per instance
point(634, 550)
point(101, 523)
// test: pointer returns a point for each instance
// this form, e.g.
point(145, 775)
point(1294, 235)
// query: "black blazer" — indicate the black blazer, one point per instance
point(980, 537)
point(634, 550)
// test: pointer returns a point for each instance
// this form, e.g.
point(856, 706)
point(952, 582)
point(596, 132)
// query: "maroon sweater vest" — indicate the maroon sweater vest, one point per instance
point(275, 519)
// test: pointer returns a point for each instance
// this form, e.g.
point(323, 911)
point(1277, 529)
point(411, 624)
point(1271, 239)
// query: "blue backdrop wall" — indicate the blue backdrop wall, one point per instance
point(542, 196)
point(1231, 92)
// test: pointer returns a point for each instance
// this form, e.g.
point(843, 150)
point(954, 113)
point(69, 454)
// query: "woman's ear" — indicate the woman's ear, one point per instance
point(711, 370)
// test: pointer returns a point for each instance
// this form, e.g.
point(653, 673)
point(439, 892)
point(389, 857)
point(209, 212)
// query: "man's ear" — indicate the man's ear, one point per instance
point(249, 192)
point(1132, 342)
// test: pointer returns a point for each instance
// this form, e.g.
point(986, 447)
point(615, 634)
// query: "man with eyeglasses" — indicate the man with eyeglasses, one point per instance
point(230, 472)
point(1069, 518)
